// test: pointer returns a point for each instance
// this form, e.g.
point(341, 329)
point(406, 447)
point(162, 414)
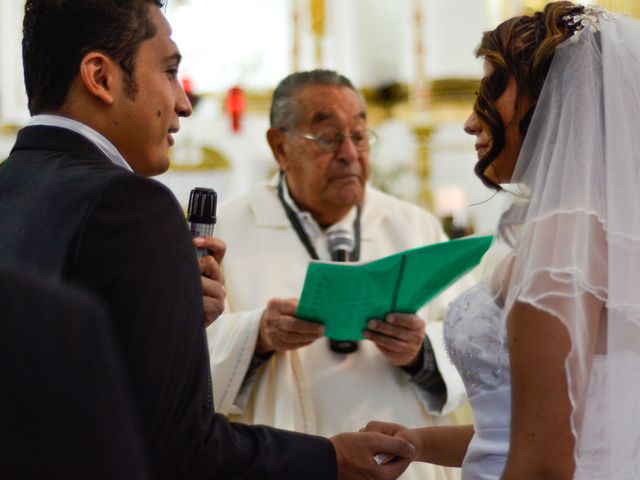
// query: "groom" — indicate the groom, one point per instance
point(76, 206)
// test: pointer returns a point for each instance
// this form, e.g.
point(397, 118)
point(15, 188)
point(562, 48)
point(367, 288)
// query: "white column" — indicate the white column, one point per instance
point(453, 30)
point(13, 99)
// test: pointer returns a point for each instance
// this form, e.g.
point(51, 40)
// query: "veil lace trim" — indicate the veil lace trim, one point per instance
point(589, 18)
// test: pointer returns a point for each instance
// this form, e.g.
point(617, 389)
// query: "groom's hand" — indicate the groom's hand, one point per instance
point(358, 455)
point(211, 277)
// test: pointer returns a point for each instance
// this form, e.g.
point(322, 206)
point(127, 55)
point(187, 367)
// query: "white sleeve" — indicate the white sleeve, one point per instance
point(232, 340)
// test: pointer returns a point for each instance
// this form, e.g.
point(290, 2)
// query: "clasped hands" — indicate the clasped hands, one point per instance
point(386, 458)
point(358, 454)
point(400, 337)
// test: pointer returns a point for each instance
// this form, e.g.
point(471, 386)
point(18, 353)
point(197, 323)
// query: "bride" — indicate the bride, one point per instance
point(549, 346)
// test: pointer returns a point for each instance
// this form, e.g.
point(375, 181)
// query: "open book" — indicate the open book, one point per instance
point(344, 296)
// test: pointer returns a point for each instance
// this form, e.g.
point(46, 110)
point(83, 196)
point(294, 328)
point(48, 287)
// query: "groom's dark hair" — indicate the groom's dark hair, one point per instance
point(57, 34)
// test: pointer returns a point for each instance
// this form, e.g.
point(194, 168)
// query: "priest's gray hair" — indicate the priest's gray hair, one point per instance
point(284, 109)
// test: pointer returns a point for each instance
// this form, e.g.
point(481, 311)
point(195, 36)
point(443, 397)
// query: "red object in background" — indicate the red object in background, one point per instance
point(235, 105)
point(187, 86)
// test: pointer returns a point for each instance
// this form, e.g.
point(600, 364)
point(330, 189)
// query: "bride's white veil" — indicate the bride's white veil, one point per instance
point(576, 236)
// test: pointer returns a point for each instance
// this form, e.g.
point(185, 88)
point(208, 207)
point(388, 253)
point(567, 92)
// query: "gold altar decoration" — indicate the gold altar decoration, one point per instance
point(531, 6)
point(295, 41)
point(419, 91)
point(209, 158)
point(454, 90)
point(447, 97)
point(423, 134)
point(9, 129)
point(625, 7)
point(317, 10)
point(421, 119)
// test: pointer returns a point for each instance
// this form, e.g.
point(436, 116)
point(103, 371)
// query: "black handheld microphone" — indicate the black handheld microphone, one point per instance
point(201, 214)
point(341, 244)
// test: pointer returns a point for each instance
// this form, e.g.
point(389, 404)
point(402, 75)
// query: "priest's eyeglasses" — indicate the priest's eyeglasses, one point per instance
point(330, 141)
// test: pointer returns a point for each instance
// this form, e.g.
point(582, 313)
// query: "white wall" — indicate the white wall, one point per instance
point(371, 41)
point(13, 100)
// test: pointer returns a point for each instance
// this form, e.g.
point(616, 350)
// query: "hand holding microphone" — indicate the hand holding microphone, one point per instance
point(201, 215)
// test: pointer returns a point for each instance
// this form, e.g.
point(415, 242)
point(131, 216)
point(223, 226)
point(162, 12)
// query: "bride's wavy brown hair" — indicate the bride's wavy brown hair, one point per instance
point(523, 47)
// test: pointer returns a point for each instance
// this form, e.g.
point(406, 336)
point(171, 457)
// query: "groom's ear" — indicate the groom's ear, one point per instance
point(100, 76)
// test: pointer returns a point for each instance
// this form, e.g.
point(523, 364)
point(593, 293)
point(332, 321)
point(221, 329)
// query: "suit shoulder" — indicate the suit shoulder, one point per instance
point(128, 179)
point(138, 192)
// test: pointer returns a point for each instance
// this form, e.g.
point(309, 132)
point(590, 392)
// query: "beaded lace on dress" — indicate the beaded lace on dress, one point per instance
point(475, 340)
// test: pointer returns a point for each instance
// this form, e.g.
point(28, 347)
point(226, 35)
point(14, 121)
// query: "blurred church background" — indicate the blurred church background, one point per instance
point(412, 59)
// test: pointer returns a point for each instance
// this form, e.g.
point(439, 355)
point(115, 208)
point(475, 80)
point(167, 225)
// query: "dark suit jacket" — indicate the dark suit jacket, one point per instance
point(64, 387)
point(67, 212)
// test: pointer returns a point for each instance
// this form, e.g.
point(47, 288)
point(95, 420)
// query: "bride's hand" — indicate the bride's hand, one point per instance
point(395, 430)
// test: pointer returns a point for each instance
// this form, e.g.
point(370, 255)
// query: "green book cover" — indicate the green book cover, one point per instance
point(344, 296)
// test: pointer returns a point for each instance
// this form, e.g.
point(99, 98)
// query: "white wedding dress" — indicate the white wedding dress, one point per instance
point(478, 349)
point(476, 342)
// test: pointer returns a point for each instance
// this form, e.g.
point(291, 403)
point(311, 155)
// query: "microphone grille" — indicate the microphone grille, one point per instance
point(202, 205)
point(341, 240)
